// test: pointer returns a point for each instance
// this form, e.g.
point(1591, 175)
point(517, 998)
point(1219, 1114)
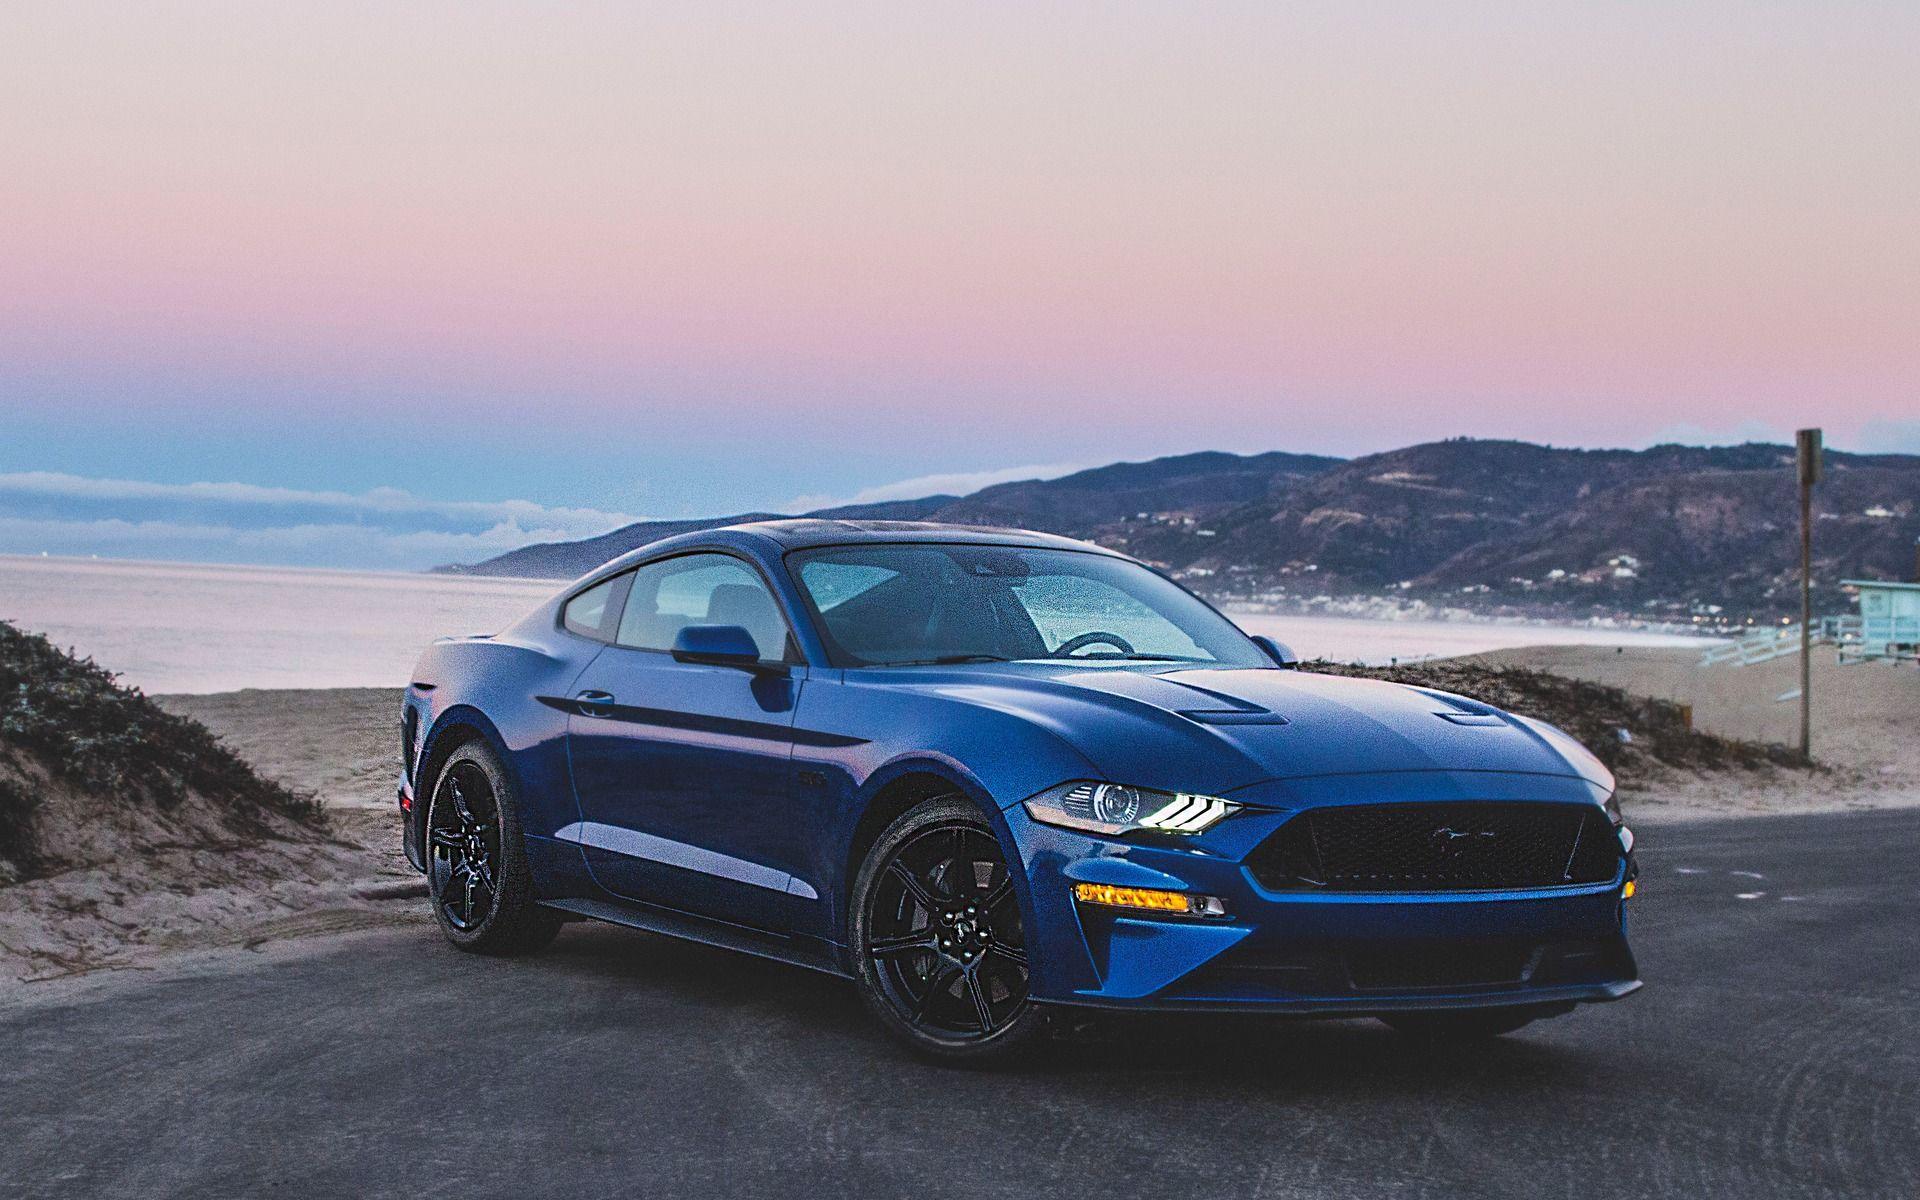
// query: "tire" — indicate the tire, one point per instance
point(935, 934)
point(1468, 1025)
point(477, 878)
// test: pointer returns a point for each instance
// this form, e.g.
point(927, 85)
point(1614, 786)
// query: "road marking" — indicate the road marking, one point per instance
point(1749, 895)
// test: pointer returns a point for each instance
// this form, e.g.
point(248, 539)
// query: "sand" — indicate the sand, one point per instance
point(171, 896)
point(1866, 727)
point(341, 744)
point(1865, 714)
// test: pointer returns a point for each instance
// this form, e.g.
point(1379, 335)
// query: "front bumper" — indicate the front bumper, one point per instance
point(1308, 952)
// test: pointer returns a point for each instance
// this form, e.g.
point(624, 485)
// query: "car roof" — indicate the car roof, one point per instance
point(798, 533)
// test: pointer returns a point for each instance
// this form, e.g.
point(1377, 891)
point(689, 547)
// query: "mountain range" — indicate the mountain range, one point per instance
point(1671, 532)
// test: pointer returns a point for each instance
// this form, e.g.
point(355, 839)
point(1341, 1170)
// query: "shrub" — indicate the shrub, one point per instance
point(83, 728)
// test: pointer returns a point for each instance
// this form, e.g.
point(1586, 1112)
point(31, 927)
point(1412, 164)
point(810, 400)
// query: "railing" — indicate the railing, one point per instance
point(1778, 641)
point(1882, 637)
point(1858, 639)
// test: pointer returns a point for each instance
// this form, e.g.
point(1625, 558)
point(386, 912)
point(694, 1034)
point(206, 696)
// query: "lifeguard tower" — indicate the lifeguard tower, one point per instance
point(1888, 626)
point(1885, 629)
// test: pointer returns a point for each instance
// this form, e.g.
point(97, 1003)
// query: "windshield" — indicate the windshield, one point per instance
point(889, 605)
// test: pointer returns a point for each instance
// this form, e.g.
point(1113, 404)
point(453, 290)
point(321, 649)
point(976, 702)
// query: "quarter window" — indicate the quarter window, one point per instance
point(587, 614)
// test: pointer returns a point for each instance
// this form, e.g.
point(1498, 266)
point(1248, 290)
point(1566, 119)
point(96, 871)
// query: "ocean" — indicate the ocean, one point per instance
point(185, 627)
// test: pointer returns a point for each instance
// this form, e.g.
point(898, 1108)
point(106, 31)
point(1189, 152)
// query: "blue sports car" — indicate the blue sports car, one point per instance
point(989, 775)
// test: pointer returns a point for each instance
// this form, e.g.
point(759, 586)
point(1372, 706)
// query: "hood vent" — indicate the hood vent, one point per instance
point(1472, 718)
point(1234, 716)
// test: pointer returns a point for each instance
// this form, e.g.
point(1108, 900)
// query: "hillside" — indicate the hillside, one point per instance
point(125, 829)
point(91, 771)
point(1081, 504)
point(1665, 533)
point(1662, 532)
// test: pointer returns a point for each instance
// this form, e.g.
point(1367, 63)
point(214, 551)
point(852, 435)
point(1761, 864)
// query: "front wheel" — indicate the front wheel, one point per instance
point(477, 873)
point(940, 955)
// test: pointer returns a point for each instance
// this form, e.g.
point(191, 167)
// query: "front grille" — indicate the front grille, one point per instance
point(1439, 847)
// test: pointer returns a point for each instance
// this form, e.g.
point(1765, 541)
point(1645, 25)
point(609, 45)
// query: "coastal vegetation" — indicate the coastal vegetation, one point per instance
point(73, 740)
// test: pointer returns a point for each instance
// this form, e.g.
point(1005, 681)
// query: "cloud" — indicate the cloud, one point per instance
point(957, 483)
point(47, 512)
point(302, 545)
point(384, 502)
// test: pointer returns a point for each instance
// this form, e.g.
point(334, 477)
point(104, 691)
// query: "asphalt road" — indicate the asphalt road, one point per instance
point(1775, 1053)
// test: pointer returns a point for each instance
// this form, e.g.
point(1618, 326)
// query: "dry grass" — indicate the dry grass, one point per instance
point(64, 720)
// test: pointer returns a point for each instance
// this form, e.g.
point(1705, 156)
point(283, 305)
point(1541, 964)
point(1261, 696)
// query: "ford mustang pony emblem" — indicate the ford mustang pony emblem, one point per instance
point(1451, 842)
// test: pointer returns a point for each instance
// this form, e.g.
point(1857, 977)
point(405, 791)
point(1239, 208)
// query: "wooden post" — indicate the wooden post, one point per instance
point(1807, 459)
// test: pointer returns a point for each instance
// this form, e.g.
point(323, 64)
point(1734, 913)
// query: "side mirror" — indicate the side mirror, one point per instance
point(717, 645)
point(1281, 653)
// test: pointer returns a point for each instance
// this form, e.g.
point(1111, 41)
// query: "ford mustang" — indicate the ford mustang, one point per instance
point(992, 775)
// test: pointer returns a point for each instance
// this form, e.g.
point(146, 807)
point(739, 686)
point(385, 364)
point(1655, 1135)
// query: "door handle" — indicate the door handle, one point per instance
point(593, 703)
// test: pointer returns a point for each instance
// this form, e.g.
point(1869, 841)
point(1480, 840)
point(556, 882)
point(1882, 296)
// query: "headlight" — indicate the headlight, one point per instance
point(1112, 808)
point(1619, 824)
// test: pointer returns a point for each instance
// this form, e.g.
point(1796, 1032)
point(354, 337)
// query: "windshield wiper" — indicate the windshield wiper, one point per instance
point(1125, 658)
point(946, 660)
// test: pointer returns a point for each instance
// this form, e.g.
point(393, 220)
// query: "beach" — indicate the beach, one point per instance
point(1864, 720)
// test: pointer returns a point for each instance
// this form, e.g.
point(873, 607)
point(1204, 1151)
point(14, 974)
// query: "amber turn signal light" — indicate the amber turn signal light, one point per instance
point(1149, 899)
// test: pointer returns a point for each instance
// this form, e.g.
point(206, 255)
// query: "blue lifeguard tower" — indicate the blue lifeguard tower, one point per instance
point(1888, 626)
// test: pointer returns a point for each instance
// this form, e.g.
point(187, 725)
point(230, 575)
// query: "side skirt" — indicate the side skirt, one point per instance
point(799, 951)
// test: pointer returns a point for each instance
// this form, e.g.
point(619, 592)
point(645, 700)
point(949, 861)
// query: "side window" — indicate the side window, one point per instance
point(700, 589)
point(588, 613)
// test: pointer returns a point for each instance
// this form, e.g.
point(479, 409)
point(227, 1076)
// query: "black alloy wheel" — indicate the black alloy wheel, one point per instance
point(477, 876)
point(463, 835)
point(942, 956)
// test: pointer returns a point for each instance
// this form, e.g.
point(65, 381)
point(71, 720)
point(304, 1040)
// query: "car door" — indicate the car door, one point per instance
point(681, 769)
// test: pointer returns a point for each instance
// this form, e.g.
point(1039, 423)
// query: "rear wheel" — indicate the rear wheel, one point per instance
point(939, 950)
point(477, 873)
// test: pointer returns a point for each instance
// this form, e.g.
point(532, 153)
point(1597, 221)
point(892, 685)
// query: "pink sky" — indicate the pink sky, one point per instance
point(1063, 233)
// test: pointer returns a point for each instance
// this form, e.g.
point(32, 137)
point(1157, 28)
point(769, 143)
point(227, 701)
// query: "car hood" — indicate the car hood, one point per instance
point(1219, 729)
